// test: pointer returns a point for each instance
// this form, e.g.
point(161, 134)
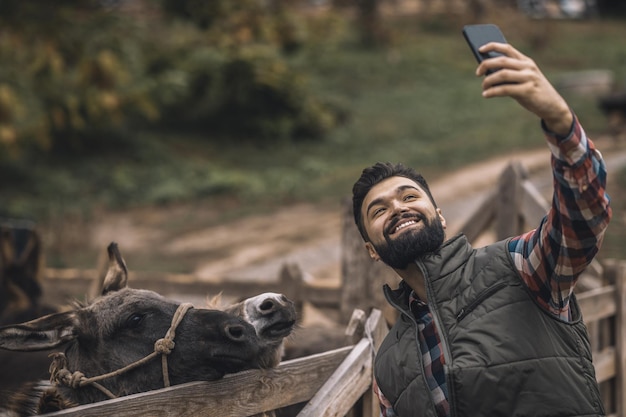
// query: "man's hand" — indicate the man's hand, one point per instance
point(519, 77)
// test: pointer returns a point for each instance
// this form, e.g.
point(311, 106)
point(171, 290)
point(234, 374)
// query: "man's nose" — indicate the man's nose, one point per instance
point(399, 206)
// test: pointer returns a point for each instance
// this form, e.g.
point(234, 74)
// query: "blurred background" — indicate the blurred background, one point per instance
point(179, 115)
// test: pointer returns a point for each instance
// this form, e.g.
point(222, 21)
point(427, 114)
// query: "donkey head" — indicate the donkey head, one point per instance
point(273, 316)
point(123, 325)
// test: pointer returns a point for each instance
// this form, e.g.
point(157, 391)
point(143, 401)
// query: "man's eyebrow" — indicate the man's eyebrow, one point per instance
point(398, 190)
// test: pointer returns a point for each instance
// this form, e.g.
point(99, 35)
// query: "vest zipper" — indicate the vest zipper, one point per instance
point(431, 302)
point(486, 293)
point(411, 317)
point(447, 356)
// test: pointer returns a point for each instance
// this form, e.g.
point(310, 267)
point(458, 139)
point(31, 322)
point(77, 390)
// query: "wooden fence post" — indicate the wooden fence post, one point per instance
point(616, 271)
point(362, 278)
point(291, 279)
point(377, 328)
point(353, 378)
point(481, 218)
point(509, 222)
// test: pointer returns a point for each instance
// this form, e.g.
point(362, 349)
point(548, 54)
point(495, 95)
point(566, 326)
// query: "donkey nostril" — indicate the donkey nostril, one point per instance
point(266, 305)
point(235, 332)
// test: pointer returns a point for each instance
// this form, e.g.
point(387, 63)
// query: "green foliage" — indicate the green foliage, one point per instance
point(243, 21)
point(238, 80)
point(248, 92)
point(91, 73)
point(417, 102)
point(208, 14)
point(69, 87)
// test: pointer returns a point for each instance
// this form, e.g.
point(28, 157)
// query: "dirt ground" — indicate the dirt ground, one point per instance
point(257, 246)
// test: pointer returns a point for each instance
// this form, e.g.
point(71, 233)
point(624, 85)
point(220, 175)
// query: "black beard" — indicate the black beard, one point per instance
point(411, 244)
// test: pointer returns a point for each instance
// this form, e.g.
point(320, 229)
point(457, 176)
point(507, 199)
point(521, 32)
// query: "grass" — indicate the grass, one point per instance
point(419, 103)
point(416, 101)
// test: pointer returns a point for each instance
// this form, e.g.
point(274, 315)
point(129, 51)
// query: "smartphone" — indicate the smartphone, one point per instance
point(479, 35)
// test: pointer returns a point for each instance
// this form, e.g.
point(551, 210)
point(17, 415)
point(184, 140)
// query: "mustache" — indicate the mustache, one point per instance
point(397, 219)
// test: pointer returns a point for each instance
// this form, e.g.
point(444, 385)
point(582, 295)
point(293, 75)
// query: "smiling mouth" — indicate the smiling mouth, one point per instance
point(403, 225)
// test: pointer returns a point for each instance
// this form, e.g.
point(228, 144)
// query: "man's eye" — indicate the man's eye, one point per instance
point(410, 197)
point(379, 211)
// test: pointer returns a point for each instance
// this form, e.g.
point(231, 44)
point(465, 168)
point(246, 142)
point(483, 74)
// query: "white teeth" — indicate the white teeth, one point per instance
point(403, 225)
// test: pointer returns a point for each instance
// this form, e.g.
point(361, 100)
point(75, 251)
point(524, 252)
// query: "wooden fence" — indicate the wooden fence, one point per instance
point(513, 206)
point(604, 312)
point(332, 382)
point(65, 284)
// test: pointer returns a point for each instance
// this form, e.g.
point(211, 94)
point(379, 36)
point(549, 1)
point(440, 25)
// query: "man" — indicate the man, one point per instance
point(494, 331)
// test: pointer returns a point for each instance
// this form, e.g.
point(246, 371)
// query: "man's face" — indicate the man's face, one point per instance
point(401, 221)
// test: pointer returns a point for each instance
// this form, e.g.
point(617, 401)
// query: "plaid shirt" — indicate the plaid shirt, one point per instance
point(549, 258)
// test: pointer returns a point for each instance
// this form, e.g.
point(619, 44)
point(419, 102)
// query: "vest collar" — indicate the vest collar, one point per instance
point(450, 256)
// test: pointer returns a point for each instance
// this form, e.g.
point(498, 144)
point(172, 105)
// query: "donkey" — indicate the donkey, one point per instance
point(273, 317)
point(21, 267)
point(112, 343)
point(20, 273)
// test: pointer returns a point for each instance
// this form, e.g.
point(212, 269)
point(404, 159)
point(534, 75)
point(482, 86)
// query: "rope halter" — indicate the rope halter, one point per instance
point(60, 375)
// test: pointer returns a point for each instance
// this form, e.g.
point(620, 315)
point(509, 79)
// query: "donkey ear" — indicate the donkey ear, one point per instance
point(117, 275)
point(43, 333)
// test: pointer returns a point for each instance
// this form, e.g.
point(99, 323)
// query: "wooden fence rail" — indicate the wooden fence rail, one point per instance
point(302, 379)
point(332, 382)
point(71, 283)
point(604, 313)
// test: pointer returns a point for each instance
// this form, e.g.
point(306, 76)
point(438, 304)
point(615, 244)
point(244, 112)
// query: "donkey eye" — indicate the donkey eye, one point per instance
point(135, 320)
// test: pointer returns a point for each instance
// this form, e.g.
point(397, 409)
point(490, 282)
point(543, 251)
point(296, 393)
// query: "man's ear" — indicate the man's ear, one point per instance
point(372, 251)
point(441, 218)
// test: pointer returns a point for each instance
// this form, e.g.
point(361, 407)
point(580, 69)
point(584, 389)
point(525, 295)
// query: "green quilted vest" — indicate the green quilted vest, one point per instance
point(505, 356)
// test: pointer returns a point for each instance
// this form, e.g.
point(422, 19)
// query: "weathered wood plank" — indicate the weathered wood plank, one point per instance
point(597, 304)
point(362, 278)
point(378, 329)
point(480, 219)
point(508, 217)
point(533, 205)
point(60, 285)
point(347, 384)
point(353, 377)
point(376, 326)
point(604, 364)
point(618, 271)
point(242, 394)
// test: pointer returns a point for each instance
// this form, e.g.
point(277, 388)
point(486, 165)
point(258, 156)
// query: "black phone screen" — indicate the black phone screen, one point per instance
point(479, 35)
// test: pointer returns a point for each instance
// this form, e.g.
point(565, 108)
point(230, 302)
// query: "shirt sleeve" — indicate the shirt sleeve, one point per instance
point(551, 257)
point(386, 409)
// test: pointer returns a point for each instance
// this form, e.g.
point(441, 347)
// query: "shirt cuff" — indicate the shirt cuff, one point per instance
point(560, 138)
point(570, 149)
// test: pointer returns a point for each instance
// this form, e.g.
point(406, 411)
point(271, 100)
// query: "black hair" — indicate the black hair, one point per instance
point(372, 176)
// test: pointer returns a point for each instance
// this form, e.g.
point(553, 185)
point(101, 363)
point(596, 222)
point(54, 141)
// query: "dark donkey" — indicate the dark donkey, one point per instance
point(113, 342)
point(21, 270)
